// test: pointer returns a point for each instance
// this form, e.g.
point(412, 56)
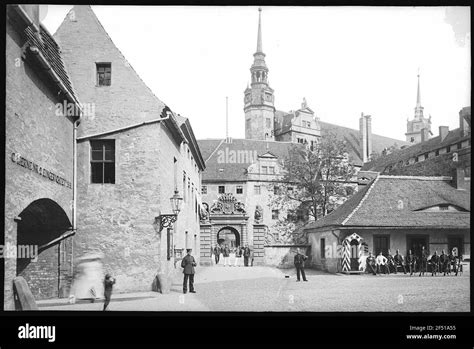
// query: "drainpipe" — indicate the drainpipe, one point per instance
point(74, 190)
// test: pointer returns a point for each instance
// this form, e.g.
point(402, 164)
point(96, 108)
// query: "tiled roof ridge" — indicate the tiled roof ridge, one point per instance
point(71, 83)
point(422, 178)
point(372, 185)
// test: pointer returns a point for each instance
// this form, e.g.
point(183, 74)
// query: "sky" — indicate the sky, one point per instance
point(343, 60)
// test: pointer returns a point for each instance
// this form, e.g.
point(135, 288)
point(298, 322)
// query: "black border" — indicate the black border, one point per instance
point(220, 329)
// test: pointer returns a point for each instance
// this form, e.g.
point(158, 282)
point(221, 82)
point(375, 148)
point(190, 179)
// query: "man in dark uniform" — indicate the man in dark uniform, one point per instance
point(399, 261)
point(217, 252)
point(391, 262)
point(370, 264)
point(434, 263)
point(423, 261)
point(443, 261)
point(299, 264)
point(246, 255)
point(451, 262)
point(410, 260)
point(188, 263)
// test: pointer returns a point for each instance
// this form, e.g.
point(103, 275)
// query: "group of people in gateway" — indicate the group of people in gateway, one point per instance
point(235, 256)
point(422, 263)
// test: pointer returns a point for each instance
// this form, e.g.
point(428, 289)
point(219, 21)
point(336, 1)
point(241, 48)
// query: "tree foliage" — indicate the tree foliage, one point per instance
point(315, 180)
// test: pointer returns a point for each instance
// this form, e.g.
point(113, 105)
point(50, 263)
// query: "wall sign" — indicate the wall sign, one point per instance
point(30, 165)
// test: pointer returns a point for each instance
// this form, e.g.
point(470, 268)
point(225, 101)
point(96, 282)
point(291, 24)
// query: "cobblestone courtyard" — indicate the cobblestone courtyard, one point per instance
point(267, 289)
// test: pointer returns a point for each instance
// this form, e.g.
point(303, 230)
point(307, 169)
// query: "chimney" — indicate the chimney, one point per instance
point(425, 134)
point(369, 135)
point(465, 121)
point(363, 137)
point(458, 178)
point(443, 132)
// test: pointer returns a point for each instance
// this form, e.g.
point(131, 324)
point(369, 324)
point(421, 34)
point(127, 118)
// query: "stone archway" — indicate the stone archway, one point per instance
point(228, 236)
point(41, 227)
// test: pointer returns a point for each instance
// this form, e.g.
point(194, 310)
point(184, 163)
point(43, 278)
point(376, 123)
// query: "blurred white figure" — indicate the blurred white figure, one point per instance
point(88, 282)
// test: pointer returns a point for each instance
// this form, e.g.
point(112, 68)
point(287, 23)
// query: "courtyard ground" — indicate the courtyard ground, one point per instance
point(262, 289)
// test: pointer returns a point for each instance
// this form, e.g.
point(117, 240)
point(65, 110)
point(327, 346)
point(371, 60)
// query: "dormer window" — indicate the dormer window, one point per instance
point(442, 208)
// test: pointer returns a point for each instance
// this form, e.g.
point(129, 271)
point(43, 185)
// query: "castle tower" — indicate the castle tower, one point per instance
point(418, 129)
point(259, 100)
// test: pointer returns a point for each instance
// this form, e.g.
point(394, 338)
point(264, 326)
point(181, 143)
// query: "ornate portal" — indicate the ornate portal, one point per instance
point(228, 204)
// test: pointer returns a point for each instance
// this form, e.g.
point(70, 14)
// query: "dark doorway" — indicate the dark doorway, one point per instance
point(416, 242)
point(381, 244)
point(456, 241)
point(228, 236)
point(41, 227)
point(355, 246)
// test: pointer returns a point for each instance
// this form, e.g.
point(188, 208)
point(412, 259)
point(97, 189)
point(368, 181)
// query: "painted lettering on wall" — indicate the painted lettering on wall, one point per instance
point(30, 165)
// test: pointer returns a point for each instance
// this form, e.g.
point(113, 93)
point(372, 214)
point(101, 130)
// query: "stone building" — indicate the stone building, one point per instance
point(42, 111)
point(418, 129)
point(133, 154)
point(438, 156)
point(244, 173)
point(390, 213)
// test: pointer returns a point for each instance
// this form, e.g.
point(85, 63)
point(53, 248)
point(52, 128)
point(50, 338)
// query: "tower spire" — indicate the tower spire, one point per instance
point(418, 95)
point(259, 37)
point(418, 108)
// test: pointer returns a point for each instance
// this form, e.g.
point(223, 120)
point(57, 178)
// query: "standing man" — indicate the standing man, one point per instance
point(108, 285)
point(443, 261)
point(246, 255)
point(188, 263)
point(217, 252)
point(225, 254)
point(299, 264)
point(410, 262)
point(399, 261)
point(423, 261)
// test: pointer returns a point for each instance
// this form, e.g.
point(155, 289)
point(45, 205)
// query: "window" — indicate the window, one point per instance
point(301, 140)
point(104, 74)
point(240, 189)
point(412, 139)
point(257, 190)
point(271, 170)
point(322, 246)
point(265, 169)
point(175, 173)
point(268, 122)
point(204, 189)
point(275, 214)
point(184, 186)
point(221, 189)
point(381, 244)
point(103, 161)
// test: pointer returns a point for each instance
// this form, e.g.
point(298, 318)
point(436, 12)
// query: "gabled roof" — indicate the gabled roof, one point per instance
point(393, 201)
point(379, 165)
point(214, 150)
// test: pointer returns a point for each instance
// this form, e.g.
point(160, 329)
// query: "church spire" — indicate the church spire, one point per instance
point(418, 108)
point(418, 96)
point(259, 37)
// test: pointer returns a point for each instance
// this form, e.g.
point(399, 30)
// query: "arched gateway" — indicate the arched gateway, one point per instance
point(225, 222)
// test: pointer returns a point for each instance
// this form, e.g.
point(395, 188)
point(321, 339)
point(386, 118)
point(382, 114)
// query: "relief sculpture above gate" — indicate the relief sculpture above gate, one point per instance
point(228, 204)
